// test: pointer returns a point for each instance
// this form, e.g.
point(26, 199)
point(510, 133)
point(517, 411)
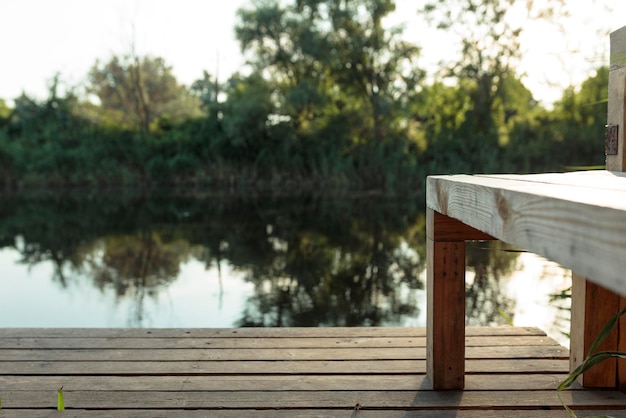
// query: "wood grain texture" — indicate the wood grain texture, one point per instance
point(275, 354)
point(264, 343)
point(618, 48)
point(615, 116)
point(582, 228)
point(285, 367)
point(443, 228)
point(134, 376)
point(617, 97)
point(534, 381)
point(445, 302)
point(117, 334)
point(592, 307)
point(318, 413)
point(621, 346)
point(347, 399)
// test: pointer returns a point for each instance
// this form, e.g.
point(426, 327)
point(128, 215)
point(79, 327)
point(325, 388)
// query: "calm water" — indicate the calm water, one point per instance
point(137, 261)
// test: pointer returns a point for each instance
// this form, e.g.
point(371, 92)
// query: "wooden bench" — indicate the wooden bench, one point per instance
point(576, 219)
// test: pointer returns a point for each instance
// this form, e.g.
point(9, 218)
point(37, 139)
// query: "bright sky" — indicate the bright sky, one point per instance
point(42, 37)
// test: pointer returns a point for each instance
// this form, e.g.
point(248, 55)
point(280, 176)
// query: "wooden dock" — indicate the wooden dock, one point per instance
point(264, 372)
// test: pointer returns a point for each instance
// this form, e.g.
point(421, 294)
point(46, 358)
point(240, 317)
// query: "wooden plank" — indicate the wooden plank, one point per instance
point(318, 399)
point(326, 367)
point(323, 412)
point(496, 387)
point(309, 342)
point(582, 231)
point(272, 383)
point(563, 188)
point(581, 180)
point(273, 354)
point(280, 333)
point(446, 314)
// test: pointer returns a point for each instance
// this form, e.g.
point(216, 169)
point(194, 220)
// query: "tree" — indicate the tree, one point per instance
point(485, 70)
point(206, 89)
point(332, 56)
point(580, 118)
point(247, 113)
point(340, 81)
point(374, 64)
point(135, 91)
point(489, 37)
point(5, 111)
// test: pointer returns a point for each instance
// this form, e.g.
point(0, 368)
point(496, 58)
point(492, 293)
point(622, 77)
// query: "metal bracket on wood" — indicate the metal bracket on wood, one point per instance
point(611, 139)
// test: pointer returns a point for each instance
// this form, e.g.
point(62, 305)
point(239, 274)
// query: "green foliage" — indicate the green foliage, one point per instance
point(330, 63)
point(135, 91)
point(334, 100)
point(5, 111)
point(485, 71)
point(568, 136)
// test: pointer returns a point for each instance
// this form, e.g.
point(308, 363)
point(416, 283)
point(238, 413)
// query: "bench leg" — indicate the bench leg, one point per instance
point(592, 307)
point(446, 314)
point(445, 356)
point(621, 346)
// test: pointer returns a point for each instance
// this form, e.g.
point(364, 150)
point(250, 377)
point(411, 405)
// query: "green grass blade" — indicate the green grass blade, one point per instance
point(506, 317)
point(589, 362)
point(60, 401)
point(567, 408)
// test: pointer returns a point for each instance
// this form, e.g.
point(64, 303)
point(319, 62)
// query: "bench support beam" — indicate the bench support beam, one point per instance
point(446, 298)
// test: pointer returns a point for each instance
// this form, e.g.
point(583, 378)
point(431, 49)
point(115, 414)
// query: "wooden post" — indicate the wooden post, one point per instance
point(446, 299)
point(616, 116)
point(621, 346)
point(593, 305)
point(616, 108)
point(446, 314)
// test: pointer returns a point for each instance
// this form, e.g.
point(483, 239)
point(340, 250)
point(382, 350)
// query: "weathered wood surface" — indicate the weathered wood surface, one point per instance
point(576, 219)
point(351, 413)
point(617, 97)
point(592, 307)
point(446, 314)
point(616, 115)
point(283, 334)
point(282, 372)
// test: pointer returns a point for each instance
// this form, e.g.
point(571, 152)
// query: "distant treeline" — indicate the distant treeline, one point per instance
point(332, 100)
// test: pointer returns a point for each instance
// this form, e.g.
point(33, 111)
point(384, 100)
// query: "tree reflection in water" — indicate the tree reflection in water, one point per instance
point(486, 302)
point(313, 261)
point(135, 266)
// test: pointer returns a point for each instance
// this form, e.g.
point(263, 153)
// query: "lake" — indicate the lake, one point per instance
point(136, 260)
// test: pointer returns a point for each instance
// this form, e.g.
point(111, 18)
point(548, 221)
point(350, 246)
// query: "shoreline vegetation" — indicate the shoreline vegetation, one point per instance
point(341, 107)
